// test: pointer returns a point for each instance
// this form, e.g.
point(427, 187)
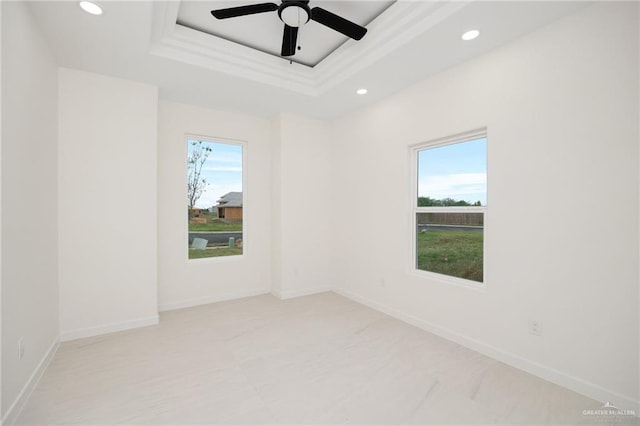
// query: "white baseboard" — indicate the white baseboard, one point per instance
point(284, 295)
point(211, 299)
point(552, 375)
point(14, 410)
point(65, 336)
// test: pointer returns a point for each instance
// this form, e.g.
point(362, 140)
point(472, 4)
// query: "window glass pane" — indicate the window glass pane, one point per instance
point(453, 175)
point(214, 199)
point(450, 244)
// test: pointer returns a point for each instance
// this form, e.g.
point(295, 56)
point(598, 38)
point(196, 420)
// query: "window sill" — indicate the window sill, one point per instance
point(217, 259)
point(448, 280)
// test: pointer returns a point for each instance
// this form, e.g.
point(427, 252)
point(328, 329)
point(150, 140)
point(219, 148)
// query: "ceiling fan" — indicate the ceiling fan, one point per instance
point(294, 14)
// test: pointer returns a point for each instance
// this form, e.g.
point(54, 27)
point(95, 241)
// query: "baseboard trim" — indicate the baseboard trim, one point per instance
point(552, 375)
point(66, 336)
point(16, 408)
point(210, 299)
point(284, 295)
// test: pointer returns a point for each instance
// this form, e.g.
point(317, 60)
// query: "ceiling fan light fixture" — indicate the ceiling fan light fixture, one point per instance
point(470, 35)
point(361, 91)
point(294, 14)
point(91, 7)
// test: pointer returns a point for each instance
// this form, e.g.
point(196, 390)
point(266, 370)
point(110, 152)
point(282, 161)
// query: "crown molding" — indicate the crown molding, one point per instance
point(399, 24)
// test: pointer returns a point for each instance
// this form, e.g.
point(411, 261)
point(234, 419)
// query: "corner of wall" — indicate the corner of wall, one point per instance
point(276, 196)
point(30, 309)
point(300, 194)
point(12, 413)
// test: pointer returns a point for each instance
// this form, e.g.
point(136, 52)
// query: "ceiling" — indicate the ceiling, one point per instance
point(264, 31)
point(407, 42)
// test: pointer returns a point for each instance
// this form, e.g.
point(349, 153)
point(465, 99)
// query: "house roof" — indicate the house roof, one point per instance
point(232, 199)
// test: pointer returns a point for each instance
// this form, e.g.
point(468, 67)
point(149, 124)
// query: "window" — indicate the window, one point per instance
point(450, 206)
point(215, 198)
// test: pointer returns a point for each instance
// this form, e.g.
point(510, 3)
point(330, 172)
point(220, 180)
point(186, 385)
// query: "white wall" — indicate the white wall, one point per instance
point(561, 108)
point(638, 315)
point(29, 200)
point(107, 162)
point(301, 211)
point(1, 409)
point(185, 282)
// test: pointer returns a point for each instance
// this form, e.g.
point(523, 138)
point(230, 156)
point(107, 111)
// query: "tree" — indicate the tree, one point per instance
point(428, 202)
point(445, 202)
point(196, 159)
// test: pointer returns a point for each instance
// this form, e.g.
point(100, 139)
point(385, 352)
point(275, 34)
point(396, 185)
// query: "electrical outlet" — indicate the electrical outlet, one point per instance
point(20, 348)
point(535, 327)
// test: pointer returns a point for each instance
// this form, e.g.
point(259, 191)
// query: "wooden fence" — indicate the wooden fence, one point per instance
point(468, 219)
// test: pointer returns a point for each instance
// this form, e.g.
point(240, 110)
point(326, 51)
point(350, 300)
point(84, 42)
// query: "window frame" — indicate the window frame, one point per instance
point(415, 209)
point(185, 220)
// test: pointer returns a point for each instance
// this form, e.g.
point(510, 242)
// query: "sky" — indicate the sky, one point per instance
point(222, 170)
point(457, 171)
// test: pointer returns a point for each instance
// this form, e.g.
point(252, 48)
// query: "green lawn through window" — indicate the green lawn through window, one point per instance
point(455, 253)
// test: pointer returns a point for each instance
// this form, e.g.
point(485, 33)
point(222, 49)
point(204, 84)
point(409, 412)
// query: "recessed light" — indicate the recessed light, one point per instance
point(361, 91)
point(470, 35)
point(91, 8)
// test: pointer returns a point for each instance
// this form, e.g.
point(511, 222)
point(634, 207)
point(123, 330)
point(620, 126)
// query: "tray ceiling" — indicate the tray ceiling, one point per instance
point(263, 31)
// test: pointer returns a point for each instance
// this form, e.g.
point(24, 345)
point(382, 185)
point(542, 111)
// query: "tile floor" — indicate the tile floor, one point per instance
point(320, 359)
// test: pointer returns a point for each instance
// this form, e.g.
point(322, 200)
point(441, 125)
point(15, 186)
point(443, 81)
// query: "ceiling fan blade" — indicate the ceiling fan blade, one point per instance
point(251, 9)
point(289, 40)
point(338, 23)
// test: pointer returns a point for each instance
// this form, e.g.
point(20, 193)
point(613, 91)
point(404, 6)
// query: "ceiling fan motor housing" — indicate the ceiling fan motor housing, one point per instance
point(294, 13)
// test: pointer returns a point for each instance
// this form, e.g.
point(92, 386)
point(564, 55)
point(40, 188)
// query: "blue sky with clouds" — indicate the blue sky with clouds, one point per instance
point(457, 171)
point(222, 170)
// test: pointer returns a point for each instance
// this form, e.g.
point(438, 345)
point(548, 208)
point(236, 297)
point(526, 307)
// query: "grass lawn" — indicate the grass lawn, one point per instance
point(453, 253)
point(214, 252)
point(215, 225)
